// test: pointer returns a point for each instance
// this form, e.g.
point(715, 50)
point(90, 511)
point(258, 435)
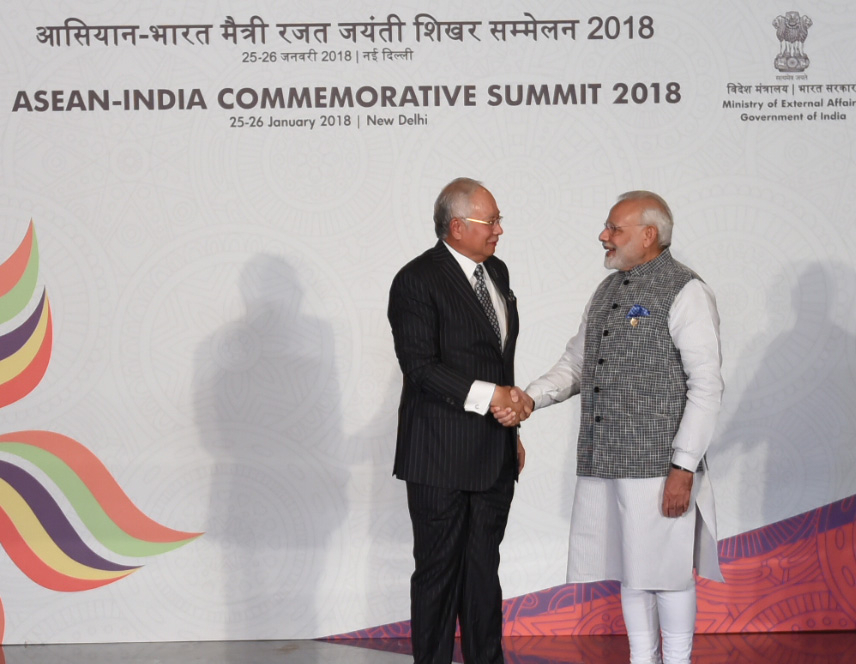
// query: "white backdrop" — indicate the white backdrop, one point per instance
point(219, 289)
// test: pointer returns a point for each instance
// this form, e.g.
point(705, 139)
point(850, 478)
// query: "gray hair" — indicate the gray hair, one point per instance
point(453, 202)
point(657, 214)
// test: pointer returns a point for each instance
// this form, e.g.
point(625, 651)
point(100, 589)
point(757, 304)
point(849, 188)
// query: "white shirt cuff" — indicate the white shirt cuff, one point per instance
point(479, 397)
point(685, 460)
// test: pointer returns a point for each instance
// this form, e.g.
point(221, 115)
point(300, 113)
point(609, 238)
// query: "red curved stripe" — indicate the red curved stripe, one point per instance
point(26, 381)
point(31, 565)
point(101, 483)
point(14, 267)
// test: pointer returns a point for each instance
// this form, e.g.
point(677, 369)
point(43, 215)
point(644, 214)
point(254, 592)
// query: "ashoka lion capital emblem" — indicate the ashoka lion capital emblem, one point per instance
point(791, 29)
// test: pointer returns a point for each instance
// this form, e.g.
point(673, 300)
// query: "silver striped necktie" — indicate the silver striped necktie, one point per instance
point(484, 298)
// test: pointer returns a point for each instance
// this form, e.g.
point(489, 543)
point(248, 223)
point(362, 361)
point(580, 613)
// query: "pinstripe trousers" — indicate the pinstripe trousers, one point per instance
point(456, 538)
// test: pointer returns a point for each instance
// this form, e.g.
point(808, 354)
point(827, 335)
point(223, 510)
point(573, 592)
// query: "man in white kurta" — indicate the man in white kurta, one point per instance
point(646, 362)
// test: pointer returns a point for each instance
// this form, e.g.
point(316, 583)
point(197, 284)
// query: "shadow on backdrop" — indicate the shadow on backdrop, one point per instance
point(789, 444)
point(267, 408)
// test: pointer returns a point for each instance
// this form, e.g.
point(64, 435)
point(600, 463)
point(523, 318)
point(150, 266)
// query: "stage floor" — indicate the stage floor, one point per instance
point(789, 648)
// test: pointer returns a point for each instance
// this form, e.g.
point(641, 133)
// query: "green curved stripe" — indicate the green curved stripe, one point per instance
point(14, 302)
point(102, 527)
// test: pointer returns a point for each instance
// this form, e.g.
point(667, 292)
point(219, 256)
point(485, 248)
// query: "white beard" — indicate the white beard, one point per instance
point(612, 262)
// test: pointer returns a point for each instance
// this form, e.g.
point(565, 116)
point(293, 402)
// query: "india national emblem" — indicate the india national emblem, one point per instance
point(791, 29)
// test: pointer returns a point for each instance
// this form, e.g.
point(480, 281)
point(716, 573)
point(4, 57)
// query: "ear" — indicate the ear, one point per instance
point(649, 236)
point(455, 228)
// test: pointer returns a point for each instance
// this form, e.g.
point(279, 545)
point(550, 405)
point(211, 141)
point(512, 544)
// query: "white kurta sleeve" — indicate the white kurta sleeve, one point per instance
point(694, 326)
point(562, 381)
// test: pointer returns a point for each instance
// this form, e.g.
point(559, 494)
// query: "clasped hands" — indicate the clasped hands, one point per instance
point(511, 405)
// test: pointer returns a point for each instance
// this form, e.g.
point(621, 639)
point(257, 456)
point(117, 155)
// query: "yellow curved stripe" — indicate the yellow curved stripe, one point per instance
point(19, 361)
point(40, 542)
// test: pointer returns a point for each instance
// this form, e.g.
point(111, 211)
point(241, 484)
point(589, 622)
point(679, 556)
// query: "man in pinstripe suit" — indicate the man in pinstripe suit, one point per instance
point(454, 322)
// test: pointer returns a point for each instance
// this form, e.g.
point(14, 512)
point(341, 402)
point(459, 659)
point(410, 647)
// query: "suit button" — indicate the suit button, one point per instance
point(626, 281)
point(615, 306)
point(600, 361)
point(606, 333)
point(597, 418)
point(597, 389)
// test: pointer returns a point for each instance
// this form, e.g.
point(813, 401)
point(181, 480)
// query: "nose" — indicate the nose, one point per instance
point(497, 228)
point(604, 235)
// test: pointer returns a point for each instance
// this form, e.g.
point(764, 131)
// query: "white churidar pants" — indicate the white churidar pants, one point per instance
point(618, 532)
point(648, 612)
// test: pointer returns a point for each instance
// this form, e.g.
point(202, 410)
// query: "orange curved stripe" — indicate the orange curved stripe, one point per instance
point(104, 487)
point(30, 564)
point(13, 268)
point(26, 381)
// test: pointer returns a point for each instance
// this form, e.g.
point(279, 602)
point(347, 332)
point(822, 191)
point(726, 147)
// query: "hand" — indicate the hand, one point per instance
point(511, 405)
point(676, 494)
point(521, 456)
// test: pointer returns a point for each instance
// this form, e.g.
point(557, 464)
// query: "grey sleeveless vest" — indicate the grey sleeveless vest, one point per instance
point(633, 388)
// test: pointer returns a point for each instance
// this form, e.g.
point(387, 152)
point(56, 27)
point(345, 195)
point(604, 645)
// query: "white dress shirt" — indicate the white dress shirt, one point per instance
point(481, 392)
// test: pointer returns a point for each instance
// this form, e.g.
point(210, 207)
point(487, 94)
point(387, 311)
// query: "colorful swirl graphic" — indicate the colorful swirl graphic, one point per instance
point(26, 350)
point(93, 493)
point(34, 531)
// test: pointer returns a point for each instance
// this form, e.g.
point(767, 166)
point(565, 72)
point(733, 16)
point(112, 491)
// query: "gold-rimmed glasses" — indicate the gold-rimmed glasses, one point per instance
point(612, 229)
point(493, 222)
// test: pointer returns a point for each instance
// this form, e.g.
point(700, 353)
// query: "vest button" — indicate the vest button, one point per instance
point(597, 418)
point(606, 333)
point(615, 306)
point(597, 389)
point(626, 281)
point(600, 361)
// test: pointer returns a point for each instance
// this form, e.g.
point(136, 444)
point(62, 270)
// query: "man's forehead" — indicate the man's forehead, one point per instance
point(625, 208)
point(483, 198)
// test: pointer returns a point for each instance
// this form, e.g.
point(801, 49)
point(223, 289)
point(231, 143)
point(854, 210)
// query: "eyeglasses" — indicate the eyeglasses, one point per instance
point(612, 229)
point(493, 222)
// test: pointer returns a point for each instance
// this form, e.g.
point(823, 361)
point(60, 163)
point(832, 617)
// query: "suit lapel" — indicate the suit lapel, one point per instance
point(512, 320)
point(460, 285)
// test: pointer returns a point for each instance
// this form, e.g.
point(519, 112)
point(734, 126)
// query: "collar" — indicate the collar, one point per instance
point(651, 266)
point(468, 265)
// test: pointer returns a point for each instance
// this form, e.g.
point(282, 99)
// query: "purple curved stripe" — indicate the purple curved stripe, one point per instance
point(807, 525)
point(837, 514)
point(13, 341)
point(767, 538)
point(56, 524)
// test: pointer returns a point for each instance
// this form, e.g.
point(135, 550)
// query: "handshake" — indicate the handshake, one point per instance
point(511, 405)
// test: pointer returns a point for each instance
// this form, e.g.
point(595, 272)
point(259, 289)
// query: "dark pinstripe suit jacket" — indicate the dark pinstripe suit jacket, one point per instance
point(444, 341)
